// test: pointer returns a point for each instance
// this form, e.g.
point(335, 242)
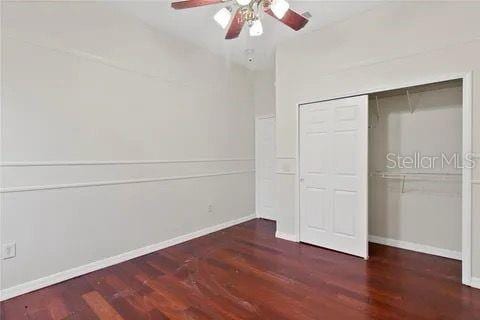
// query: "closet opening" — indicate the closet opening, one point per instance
point(390, 166)
point(415, 166)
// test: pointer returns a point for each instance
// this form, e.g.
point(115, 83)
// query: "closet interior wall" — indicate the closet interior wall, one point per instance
point(416, 203)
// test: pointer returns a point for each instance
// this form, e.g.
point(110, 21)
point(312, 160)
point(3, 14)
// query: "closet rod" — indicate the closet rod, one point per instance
point(419, 176)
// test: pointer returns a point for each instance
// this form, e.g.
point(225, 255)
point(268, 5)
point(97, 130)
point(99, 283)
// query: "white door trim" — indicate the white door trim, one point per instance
point(467, 180)
point(467, 78)
point(257, 180)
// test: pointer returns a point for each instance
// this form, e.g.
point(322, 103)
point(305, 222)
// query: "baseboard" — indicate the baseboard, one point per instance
point(457, 255)
point(100, 264)
point(475, 283)
point(264, 216)
point(260, 216)
point(286, 236)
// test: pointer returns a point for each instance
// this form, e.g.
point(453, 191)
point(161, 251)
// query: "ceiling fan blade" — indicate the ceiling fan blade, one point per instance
point(291, 19)
point(235, 26)
point(193, 3)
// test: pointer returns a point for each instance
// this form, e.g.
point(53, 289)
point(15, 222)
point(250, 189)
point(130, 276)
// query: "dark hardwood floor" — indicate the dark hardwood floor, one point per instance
point(244, 272)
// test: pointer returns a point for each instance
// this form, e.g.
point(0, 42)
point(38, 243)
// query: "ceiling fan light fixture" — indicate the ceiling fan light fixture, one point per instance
point(256, 29)
point(241, 13)
point(279, 8)
point(222, 17)
point(243, 2)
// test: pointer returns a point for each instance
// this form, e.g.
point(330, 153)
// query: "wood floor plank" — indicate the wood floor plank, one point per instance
point(100, 306)
point(244, 272)
point(58, 309)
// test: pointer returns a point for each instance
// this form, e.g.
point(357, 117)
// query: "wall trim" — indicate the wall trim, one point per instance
point(100, 264)
point(475, 283)
point(285, 172)
point(457, 255)
point(112, 162)
point(286, 236)
point(467, 173)
point(265, 116)
point(116, 182)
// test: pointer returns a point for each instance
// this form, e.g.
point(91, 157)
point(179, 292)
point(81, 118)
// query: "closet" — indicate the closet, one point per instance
point(384, 167)
point(415, 176)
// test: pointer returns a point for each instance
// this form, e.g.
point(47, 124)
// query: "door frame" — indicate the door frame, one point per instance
point(257, 189)
point(467, 134)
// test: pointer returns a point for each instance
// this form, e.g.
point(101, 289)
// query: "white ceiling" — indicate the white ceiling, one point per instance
point(197, 25)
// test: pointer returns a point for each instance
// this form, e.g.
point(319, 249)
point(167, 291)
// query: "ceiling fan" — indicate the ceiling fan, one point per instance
point(248, 12)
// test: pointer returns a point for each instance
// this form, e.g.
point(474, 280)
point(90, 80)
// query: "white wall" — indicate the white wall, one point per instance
point(264, 91)
point(92, 91)
point(418, 211)
point(393, 44)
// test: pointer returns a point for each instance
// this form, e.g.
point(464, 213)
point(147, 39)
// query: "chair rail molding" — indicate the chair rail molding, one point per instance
point(114, 162)
point(117, 182)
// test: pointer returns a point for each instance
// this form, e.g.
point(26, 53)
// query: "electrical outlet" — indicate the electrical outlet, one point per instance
point(9, 250)
point(210, 208)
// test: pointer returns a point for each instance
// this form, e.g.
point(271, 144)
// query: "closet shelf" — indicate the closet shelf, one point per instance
point(413, 90)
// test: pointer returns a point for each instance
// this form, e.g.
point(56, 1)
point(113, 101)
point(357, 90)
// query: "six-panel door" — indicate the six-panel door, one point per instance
point(334, 175)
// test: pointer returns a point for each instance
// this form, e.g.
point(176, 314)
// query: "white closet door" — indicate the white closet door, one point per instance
point(265, 166)
point(334, 175)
